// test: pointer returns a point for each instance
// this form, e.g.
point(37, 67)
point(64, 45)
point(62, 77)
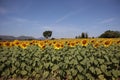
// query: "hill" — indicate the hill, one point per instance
point(7, 37)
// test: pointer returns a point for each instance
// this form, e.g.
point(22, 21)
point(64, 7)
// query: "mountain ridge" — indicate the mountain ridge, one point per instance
point(9, 37)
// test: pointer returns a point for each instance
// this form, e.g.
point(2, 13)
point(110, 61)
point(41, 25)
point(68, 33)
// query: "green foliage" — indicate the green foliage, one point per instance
point(110, 34)
point(74, 63)
point(47, 34)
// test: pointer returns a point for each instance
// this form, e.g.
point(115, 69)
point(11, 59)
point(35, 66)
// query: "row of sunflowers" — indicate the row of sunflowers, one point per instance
point(58, 44)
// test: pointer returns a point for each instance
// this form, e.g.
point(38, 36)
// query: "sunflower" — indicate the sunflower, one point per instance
point(77, 42)
point(12, 44)
point(41, 44)
point(72, 44)
point(33, 42)
point(96, 45)
point(84, 42)
point(93, 41)
point(8, 44)
point(118, 42)
point(107, 43)
point(16, 42)
point(23, 45)
point(58, 45)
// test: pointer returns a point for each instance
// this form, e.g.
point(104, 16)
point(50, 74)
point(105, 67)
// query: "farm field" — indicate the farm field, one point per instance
point(62, 59)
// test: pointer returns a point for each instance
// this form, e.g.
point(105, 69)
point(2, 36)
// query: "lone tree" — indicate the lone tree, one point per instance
point(47, 34)
point(110, 34)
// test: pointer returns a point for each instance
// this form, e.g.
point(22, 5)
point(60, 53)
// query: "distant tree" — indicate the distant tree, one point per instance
point(86, 35)
point(110, 34)
point(83, 35)
point(47, 34)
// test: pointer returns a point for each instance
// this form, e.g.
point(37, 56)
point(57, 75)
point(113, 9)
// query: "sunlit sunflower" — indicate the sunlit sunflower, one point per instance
point(107, 43)
point(77, 42)
point(84, 42)
point(46, 41)
point(41, 44)
point(118, 41)
point(93, 41)
point(54, 42)
point(96, 45)
point(57, 45)
point(16, 42)
point(23, 45)
point(12, 44)
point(33, 42)
point(72, 44)
point(8, 44)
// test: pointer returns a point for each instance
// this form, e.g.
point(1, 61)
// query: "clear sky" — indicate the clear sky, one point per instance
point(66, 18)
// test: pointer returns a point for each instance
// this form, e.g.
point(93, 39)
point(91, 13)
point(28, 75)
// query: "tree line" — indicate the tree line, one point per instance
point(106, 34)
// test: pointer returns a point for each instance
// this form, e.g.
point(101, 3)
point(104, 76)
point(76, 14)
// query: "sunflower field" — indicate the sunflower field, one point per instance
point(67, 59)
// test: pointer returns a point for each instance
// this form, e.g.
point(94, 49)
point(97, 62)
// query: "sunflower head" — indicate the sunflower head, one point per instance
point(16, 42)
point(72, 44)
point(23, 45)
point(58, 45)
point(96, 45)
point(107, 43)
point(93, 41)
point(41, 44)
point(118, 42)
point(84, 42)
point(7, 44)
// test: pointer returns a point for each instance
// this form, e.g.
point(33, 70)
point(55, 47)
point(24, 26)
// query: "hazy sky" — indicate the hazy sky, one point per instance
point(66, 18)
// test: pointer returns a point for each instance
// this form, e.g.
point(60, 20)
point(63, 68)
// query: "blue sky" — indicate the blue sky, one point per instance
point(66, 18)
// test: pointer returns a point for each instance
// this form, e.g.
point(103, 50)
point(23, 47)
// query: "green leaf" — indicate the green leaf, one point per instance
point(92, 58)
point(108, 73)
point(106, 57)
point(79, 57)
point(103, 68)
point(74, 72)
point(69, 77)
point(46, 65)
point(1, 67)
point(83, 62)
point(3, 59)
point(55, 67)
point(92, 69)
point(37, 76)
point(114, 60)
point(80, 68)
point(45, 74)
point(13, 69)
point(101, 77)
point(23, 64)
point(89, 76)
point(98, 71)
point(95, 62)
point(37, 59)
point(101, 61)
point(28, 68)
point(23, 72)
point(33, 73)
point(116, 73)
point(66, 60)
point(80, 77)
